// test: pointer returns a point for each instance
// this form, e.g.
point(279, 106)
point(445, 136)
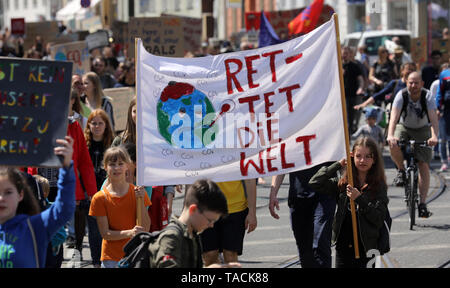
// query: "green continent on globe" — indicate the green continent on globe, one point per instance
point(179, 100)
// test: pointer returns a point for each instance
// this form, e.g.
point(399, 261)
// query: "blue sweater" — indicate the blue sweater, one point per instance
point(16, 244)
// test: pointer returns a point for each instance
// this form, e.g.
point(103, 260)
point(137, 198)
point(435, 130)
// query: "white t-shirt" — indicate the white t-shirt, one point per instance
point(413, 110)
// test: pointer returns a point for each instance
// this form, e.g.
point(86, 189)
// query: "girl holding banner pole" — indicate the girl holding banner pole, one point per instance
point(115, 207)
point(369, 192)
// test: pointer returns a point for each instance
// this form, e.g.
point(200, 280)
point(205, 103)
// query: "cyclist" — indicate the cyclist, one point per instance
point(412, 122)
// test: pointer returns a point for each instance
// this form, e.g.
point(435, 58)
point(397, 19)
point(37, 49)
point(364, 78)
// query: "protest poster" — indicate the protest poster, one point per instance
point(18, 26)
point(160, 35)
point(48, 31)
point(419, 50)
point(34, 102)
point(120, 99)
point(192, 32)
point(98, 39)
point(442, 45)
point(77, 52)
point(240, 115)
point(120, 32)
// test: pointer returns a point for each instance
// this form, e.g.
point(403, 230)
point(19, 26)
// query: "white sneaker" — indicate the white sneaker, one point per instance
point(444, 168)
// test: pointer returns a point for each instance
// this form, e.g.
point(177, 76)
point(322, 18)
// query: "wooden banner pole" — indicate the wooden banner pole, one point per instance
point(138, 199)
point(347, 137)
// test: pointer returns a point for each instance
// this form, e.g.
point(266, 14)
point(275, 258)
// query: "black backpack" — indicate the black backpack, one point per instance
point(423, 103)
point(384, 238)
point(136, 250)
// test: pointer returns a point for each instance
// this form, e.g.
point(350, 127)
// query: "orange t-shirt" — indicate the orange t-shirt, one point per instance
point(121, 213)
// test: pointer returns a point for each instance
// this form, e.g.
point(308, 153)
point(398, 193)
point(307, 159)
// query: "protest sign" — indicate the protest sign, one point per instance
point(240, 115)
point(121, 98)
point(419, 50)
point(34, 102)
point(18, 26)
point(160, 35)
point(98, 39)
point(442, 45)
point(77, 52)
point(49, 32)
point(192, 32)
point(120, 32)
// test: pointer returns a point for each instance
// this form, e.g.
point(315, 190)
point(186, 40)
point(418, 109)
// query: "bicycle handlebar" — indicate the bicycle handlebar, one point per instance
point(404, 143)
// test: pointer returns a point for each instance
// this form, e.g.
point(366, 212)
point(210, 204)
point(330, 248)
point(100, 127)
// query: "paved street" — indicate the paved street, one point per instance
point(272, 244)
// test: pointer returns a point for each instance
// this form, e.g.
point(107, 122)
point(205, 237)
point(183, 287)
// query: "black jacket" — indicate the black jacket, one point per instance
point(371, 209)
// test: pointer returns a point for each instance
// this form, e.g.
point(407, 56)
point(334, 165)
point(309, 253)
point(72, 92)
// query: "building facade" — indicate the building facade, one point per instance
point(31, 10)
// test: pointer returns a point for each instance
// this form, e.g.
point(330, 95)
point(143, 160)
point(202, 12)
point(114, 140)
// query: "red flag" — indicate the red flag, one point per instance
point(306, 21)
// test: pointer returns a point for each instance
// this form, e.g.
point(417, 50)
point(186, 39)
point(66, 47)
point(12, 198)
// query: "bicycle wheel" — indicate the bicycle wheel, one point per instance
point(412, 183)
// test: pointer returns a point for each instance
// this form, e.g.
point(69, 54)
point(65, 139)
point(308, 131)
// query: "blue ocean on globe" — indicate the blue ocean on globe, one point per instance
point(176, 119)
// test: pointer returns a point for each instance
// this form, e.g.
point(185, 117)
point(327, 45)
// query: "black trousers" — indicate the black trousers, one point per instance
point(311, 222)
point(345, 258)
point(95, 239)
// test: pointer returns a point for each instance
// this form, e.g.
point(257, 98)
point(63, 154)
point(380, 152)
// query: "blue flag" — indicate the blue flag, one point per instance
point(267, 35)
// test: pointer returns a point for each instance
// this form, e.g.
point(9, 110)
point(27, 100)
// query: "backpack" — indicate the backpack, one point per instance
point(136, 250)
point(384, 238)
point(423, 103)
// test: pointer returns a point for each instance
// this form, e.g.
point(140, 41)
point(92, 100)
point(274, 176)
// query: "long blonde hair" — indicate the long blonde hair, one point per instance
point(98, 91)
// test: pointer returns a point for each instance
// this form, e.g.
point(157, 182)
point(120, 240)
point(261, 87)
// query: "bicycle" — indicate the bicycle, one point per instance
point(411, 178)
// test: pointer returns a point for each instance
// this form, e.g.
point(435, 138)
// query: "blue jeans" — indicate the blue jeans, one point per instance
point(311, 222)
point(109, 264)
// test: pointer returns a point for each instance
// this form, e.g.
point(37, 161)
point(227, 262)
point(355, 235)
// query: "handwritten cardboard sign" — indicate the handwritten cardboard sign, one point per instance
point(419, 50)
point(162, 36)
point(98, 39)
point(49, 32)
point(34, 102)
point(77, 52)
point(443, 46)
point(121, 98)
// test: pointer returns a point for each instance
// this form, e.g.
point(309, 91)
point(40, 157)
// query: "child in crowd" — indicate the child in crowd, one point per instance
point(27, 231)
point(115, 207)
point(369, 191)
point(180, 247)
point(371, 128)
point(161, 196)
point(99, 136)
point(94, 97)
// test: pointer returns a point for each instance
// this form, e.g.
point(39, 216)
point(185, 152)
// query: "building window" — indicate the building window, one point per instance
point(190, 5)
point(147, 6)
point(16, 4)
point(177, 5)
point(7, 4)
point(44, 2)
point(34, 3)
point(25, 4)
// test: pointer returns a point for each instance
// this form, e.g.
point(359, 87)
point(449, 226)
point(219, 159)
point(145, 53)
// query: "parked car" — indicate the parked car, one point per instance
point(374, 39)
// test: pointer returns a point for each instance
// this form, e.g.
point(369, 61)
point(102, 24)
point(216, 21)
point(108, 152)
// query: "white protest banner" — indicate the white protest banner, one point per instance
point(243, 115)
